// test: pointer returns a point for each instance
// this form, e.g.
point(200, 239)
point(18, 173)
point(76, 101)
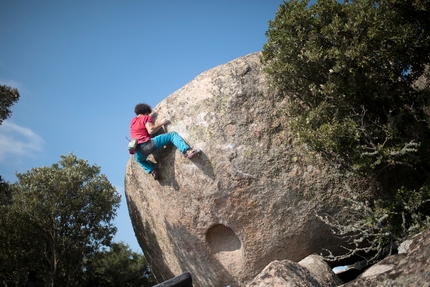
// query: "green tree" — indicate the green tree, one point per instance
point(5, 192)
point(350, 71)
point(8, 96)
point(11, 259)
point(117, 267)
point(60, 215)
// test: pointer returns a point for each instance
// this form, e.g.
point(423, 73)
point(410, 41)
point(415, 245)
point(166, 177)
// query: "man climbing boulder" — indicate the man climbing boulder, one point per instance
point(142, 127)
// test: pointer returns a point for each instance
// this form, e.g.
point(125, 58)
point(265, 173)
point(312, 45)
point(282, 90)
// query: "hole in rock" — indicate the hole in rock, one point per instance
point(226, 248)
point(221, 238)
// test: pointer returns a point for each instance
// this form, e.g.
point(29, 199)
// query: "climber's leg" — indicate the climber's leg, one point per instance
point(141, 159)
point(172, 137)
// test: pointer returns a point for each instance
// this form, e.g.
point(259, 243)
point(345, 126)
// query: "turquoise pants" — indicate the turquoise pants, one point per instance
point(161, 141)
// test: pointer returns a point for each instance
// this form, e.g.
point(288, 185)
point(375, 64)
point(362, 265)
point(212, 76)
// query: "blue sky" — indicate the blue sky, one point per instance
point(82, 66)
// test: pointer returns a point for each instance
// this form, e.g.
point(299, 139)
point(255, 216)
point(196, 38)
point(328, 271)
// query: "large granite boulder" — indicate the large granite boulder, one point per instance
point(249, 199)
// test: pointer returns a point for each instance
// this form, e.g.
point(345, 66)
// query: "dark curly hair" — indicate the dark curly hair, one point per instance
point(142, 109)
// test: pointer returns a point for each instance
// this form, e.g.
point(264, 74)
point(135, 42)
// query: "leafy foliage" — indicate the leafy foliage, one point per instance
point(59, 215)
point(350, 71)
point(5, 192)
point(8, 96)
point(118, 267)
point(406, 213)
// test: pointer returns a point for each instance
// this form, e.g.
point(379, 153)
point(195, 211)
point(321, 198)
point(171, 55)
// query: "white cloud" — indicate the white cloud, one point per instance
point(18, 140)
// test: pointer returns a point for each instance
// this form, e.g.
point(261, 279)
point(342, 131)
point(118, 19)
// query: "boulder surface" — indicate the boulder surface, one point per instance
point(249, 199)
point(406, 269)
point(411, 267)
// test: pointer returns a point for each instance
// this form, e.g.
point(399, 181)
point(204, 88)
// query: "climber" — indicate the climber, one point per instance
point(142, 126)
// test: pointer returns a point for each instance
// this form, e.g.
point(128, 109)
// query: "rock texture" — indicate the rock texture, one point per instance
point(249, 199)
point(284, 273)
point(320, 270)
point(310, 271)
point(410, 268)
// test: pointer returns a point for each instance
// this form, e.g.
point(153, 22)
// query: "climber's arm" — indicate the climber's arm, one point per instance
point(153, 128)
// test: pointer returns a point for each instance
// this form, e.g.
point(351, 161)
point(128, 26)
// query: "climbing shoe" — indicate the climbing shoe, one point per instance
point(154, 174)
point(191, 153)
